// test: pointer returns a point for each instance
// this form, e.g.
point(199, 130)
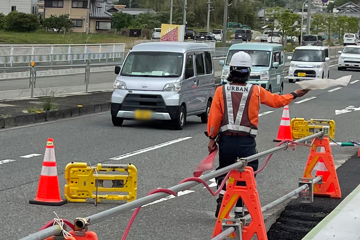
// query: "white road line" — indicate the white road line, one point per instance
point(355, 81)
point(335, 89)
point(181, 193)
point(31, 155)
point(126, 155)
point(305, 100)
point(6, 161)
point(264, 113)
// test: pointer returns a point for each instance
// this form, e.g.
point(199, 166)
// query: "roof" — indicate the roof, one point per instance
point(256, 46)
point(99, 9)
point(137, 11)
point(170, 46)
point(349, 7)
point(312, 47)
point(352, 46)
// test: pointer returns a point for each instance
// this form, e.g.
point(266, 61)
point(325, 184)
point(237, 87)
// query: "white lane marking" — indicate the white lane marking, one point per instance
point(213, 183)
point(181, 193)
point(333, 65)
point(6, 161)
point(31, 155)
point(305, 100)
point(126, 155)
point(265, 113)
point(355, 81)
point(335, 89)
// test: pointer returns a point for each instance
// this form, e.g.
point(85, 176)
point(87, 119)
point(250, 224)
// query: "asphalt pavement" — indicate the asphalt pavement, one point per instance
point(163, 158)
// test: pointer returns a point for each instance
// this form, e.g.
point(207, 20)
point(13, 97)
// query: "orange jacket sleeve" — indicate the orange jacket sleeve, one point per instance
point(216, 113)
point(274, 100)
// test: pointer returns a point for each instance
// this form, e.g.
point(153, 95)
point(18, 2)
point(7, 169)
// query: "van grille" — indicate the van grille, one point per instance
point(352, 61)
point(309, 73)
point(133, 102)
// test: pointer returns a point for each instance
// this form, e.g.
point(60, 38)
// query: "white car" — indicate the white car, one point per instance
point(349, 58)
point(309, 62)
point(156, 33)
point(350, 39)
point(274, 37)
point(218, 34)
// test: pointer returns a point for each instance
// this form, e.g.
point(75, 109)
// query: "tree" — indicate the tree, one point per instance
point(318, 23)
point(21, 22)
point(2, 18)
point(283, 19)
point(121, 20)
point(62, 22)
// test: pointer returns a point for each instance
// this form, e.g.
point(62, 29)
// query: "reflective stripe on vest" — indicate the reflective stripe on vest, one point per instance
point(236, 125)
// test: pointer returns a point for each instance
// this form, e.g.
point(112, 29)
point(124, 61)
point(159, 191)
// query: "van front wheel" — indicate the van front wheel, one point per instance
point(179, 121)
point(204, 116)
point(117, 121)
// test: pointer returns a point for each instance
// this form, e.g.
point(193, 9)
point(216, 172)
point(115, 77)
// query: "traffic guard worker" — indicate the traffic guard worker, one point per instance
point(234, 117)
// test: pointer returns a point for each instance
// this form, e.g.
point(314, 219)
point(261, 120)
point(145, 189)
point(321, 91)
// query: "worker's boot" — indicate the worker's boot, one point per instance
point(218, 206)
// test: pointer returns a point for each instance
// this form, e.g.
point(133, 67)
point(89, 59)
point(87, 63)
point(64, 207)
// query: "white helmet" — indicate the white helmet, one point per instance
point(241, 59)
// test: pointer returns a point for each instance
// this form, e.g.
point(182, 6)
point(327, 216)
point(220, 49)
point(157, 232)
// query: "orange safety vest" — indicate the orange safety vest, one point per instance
point(236, 96)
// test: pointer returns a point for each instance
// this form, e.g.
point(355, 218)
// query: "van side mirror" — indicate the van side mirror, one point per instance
point(117, 70)
point(276, 65)
point(189, 73)
point(340, 52)
point(289, 57)
point(327, 59)
point(221, 62)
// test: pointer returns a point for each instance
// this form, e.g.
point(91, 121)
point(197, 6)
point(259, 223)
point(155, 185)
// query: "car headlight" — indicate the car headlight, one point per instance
point(225, 73)
point(318, 66)
point(119, 85)
point(172, 87)
point(264, 75)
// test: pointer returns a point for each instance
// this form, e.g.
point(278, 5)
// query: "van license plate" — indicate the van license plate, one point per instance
point(143, 114)
point(301, 74)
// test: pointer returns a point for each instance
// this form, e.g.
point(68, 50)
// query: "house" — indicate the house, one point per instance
point(349, 9)
point(8, 6)
point(97, 16)
point(137, 11)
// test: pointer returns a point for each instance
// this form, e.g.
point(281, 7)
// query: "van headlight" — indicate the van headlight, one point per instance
point(264, 75)
point(318, 66)
point(172, 87)
point(119, 85)
point(225, 73)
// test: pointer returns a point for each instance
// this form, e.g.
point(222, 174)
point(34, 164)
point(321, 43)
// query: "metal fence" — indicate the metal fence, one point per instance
point(12, 55)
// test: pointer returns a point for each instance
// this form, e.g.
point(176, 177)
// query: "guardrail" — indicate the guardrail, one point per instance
point(82, 224)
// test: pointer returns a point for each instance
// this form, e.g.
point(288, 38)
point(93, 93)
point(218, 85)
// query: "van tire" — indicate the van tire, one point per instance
point(204, 116)
point(117, 122)
point(323, 75)
point(328, 74)
point(291, 80)
point(179, 121)
point(340, 68)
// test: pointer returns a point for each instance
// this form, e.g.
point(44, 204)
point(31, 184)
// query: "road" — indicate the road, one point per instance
point(93, 139)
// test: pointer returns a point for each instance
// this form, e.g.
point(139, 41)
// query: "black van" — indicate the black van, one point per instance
point(243, 34)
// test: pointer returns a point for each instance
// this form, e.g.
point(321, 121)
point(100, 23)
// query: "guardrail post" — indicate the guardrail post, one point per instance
point(87, 75)
point(99, 56)
point(85, 52)
point(113, 53)
point(11, 55)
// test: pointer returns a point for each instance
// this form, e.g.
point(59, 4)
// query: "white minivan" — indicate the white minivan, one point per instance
point(164, 81)
point(309, 62)
point(350, 39)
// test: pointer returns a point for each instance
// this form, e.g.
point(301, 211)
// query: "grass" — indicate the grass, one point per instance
point(42, 37)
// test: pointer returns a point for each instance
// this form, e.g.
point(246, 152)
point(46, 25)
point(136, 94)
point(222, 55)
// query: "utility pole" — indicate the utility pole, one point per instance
point(171, 10)
point(308, 21)
point(226, 5)
point(129, 3)
point(185, 8)
point(88, 18)
point(208, 17)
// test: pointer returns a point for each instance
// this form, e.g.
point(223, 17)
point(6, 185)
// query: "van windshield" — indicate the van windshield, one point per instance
point(157, 29)
point(153, 64)
point(258, 58)
point(310, 38)
point(274, 34)
point(352, 50)
point(240, 31)
point(308, 56)
point(216, 31)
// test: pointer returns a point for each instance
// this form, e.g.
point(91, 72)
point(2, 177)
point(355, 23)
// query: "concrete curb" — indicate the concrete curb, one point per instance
point(30, 118)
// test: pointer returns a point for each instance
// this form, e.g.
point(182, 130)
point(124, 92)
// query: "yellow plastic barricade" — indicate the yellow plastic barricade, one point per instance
point(300, 127)
point(85, 182)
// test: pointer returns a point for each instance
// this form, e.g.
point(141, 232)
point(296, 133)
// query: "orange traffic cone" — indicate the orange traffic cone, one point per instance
point(48, 192)
point(284, 132)
point(321, 170)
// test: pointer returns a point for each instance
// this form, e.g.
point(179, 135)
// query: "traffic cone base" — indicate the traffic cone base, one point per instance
point(284, 132)
point(48, 192)
point(250, 198)
point(330, 183)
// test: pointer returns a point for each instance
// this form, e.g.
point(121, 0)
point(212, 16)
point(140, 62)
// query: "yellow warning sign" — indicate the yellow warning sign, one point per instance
point(300, 127)
point(85, 182)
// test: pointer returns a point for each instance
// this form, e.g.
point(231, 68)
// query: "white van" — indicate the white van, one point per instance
point(164, 81)
point(309, 62)
point(156, 33)
point(350, 39)
point(218, 34)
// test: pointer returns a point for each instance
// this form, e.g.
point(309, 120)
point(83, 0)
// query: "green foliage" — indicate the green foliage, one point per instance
point(62, 22)
point(285, 20)
point(2, 18)
point(21, 22)
point(121, 20)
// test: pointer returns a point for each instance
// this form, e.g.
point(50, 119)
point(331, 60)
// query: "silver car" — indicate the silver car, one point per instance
point(164, 81)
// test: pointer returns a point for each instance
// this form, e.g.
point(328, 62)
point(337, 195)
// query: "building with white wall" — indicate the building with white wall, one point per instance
point(8, 6)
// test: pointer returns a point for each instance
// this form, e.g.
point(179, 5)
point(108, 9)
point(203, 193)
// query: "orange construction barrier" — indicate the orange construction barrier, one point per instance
point(48, 192)
point(284, 132)
point(321, 152)
point(89, 235)
point(250, 197)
